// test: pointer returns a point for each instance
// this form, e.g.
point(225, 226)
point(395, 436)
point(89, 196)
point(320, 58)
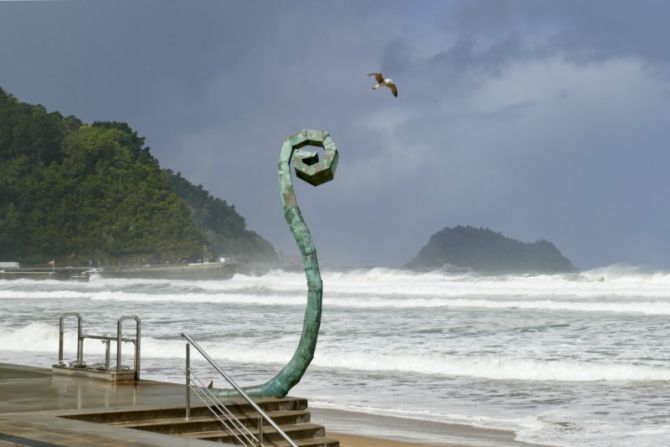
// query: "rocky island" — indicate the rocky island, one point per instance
point(466, 248)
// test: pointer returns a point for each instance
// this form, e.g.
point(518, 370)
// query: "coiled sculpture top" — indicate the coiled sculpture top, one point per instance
point(309, 168)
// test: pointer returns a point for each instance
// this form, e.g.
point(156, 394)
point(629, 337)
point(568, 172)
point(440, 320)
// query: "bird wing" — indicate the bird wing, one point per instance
point(378, 77)
point(393, 87)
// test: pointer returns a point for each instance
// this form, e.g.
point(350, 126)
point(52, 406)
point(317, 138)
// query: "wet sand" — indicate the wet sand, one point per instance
point(369, 430)
point(364, 441)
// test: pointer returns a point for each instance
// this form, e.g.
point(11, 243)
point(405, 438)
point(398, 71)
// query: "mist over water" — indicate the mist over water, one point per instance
point(561, 359)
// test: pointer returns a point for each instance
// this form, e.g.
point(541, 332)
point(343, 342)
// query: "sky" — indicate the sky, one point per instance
point(540, 120)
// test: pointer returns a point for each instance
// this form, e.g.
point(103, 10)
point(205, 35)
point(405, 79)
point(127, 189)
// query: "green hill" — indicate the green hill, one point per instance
point(73, 192)
point(224, 229)
point(482, 250)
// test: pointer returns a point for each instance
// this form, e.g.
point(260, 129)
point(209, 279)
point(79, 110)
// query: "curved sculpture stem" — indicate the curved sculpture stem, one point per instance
point(310, 169)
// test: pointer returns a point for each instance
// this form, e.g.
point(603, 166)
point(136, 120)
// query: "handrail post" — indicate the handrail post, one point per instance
point(107, 354)
point(188, 381)
point(119, 351)
point(119, 341)
point(80, 339)
point(260, 430)
point(138, 338)
point(60, 339)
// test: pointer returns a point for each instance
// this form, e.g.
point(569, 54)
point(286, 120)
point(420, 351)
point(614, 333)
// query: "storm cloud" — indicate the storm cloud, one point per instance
point(536, 119)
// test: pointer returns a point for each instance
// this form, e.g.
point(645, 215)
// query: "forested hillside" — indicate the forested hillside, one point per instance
point(224, 229)
point(73, 192)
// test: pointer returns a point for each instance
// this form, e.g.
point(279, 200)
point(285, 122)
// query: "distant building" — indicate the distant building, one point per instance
point(9, 265)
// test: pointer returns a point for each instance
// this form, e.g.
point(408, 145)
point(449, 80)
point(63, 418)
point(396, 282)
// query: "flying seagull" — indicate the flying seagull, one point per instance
point(384, 82)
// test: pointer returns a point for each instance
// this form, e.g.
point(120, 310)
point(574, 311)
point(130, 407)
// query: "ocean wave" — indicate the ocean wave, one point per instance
point(609, 282)
point(42, 337)
point(39, 337)
point(612, 281)
point(612, 304)
point(498, 423)
point(490, 367)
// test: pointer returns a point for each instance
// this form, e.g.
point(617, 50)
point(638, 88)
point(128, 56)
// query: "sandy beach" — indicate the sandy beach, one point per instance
point(355, 429)
point(364, 441)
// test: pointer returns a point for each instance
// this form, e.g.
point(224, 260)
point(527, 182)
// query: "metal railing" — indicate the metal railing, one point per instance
point(120, 339)
point(80, 340)
point(227, 419)
point(107, 339)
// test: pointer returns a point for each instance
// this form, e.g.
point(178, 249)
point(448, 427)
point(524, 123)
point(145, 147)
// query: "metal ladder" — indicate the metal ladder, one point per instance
point(119, 339)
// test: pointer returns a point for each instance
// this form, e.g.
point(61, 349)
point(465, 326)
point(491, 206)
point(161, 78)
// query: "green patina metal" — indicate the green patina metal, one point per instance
point(309, 168)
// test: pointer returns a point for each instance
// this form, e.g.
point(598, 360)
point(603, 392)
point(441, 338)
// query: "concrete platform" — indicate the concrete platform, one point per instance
point(92, 373)
point(32, 401)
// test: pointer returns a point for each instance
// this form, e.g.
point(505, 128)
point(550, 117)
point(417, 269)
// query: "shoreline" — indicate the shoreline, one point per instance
point(349, 440)
point(351, 428)
point(356, 429)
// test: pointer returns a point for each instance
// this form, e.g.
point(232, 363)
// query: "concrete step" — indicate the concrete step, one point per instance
point(295, 432)
point(289, 413)
point(210, 423)
point(236, 406)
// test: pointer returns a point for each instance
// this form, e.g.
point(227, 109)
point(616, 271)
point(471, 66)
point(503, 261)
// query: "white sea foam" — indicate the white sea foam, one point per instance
point(42, 337)
point(563, 359)
point(36, 337)
point(489, 367)
point(612, 283)
point(610, 304)
point(528, 422)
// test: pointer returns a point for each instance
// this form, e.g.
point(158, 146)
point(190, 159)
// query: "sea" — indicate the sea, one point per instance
point(563, 360)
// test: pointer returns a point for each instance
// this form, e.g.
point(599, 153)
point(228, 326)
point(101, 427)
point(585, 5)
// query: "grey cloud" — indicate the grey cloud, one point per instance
point(486, 36)
point(582, 30)
point(483, 132)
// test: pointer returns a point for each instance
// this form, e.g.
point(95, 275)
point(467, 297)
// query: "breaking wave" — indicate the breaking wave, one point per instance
point(39, 337)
